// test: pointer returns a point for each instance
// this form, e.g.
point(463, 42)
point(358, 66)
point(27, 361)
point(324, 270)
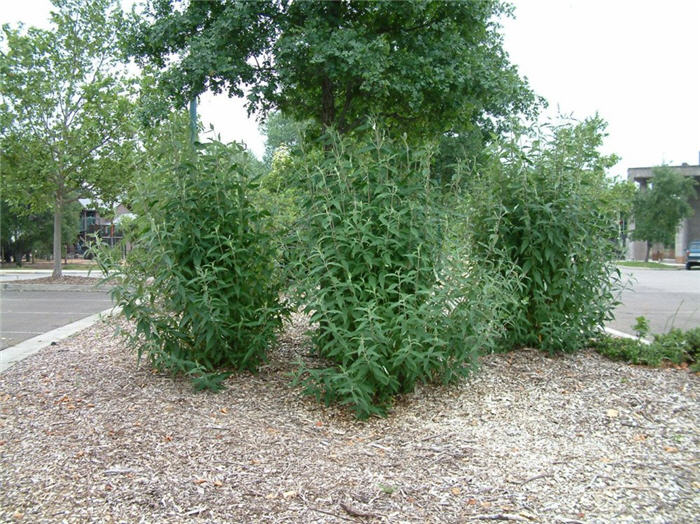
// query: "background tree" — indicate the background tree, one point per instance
point(421, 67)
point(23, 233)
point(620, 198)
point(65, 111)
point(280, 131)
point(659, 209)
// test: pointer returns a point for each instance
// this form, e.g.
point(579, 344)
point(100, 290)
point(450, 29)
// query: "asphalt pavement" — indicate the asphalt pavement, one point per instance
point(667, 298)
point(25, 314)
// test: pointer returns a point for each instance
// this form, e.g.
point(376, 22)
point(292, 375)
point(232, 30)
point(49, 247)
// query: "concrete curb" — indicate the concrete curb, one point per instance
point(9, 286)
point(620, 334)
point(12, 355)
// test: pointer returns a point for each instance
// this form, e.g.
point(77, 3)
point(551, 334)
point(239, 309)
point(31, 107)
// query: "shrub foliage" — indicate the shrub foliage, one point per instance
point(676, 347)
point(548, 211)
point(199, 283)
point(389, 308)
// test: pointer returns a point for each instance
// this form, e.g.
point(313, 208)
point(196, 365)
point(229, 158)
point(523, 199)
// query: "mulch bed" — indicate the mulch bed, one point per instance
point(87, 434)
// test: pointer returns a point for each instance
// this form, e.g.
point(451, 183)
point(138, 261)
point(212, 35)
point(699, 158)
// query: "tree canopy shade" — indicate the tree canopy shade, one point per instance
point(659, 209)
point(65, 111)
point(420, 66)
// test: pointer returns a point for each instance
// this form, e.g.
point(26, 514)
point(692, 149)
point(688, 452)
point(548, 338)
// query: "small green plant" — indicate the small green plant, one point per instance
point(676, 347)
point(625, 349)
point(199, 285)
point(387, 489)
point(641, 327)
point(673, 346)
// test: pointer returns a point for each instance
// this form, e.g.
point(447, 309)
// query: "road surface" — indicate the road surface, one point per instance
point(26, 314)
point(667, 298)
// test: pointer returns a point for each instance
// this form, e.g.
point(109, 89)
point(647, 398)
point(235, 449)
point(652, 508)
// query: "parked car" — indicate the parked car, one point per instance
point(692, 255)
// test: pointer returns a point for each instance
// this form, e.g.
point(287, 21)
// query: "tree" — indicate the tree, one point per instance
point(660, 208)
point(65, 111)
point(23, 233)
point(280, 131)
point(421, 67)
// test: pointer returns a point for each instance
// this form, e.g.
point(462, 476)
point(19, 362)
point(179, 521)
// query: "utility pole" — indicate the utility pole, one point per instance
point(193, 120)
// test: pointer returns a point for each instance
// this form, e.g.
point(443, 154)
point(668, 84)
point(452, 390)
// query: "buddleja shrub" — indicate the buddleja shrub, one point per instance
point(549, 213)
point(199, 284)
point(390, 308)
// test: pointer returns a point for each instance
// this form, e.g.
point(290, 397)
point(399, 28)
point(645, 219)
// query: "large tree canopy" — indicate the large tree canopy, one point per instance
point(423, 67)
point(65, 111)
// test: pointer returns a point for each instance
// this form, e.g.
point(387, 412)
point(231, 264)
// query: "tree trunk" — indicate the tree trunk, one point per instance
point(327, 103)
point(646, 256)
point(57, 217)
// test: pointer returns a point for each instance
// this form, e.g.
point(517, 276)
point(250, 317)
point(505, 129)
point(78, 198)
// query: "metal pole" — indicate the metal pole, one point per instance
point(193, 120)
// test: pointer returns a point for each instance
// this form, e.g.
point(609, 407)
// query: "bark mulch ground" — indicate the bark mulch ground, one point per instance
point(88, 435)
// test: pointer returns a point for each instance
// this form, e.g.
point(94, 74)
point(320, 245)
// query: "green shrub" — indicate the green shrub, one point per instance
point(390, 307)
point(673, 346)
point(279, 193)
point(628, 350)
point(676, 346)
point(547, 211)
point(199, 283)
point(692, 336)
point(641, 326)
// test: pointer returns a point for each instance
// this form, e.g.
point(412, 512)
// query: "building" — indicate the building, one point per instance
point(689, 229)
point(93, 224)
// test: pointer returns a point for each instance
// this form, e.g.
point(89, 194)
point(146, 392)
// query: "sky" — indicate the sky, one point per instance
point(634, 62)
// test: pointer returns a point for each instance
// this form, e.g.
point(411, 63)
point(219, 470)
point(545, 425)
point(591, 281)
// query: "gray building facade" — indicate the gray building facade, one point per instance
point(689, 229)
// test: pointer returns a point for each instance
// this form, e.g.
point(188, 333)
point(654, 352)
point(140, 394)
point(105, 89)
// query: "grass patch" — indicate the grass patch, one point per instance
point(648, 265)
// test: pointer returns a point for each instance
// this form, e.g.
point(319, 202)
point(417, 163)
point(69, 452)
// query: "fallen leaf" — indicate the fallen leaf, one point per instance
point(639, 437)
point(319, 424)
point(612, 413)
point(671, 449)
point(471, 502)
point(168, 438)
point(224, 410)
point(218, 483)
point(17, 515)
point(456, 491)
point(199, 481)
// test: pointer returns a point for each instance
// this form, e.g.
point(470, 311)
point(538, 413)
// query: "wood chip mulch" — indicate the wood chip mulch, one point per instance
point(87, 435)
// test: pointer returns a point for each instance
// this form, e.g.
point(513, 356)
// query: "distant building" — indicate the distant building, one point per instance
point(689, 229)
point(93, 224)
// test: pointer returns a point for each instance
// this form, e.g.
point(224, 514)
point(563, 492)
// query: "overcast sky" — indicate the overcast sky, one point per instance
point(635, 62)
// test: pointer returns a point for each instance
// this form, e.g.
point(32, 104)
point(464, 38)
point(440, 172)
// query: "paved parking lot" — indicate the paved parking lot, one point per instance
point(26, 314)
point(666, 298)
